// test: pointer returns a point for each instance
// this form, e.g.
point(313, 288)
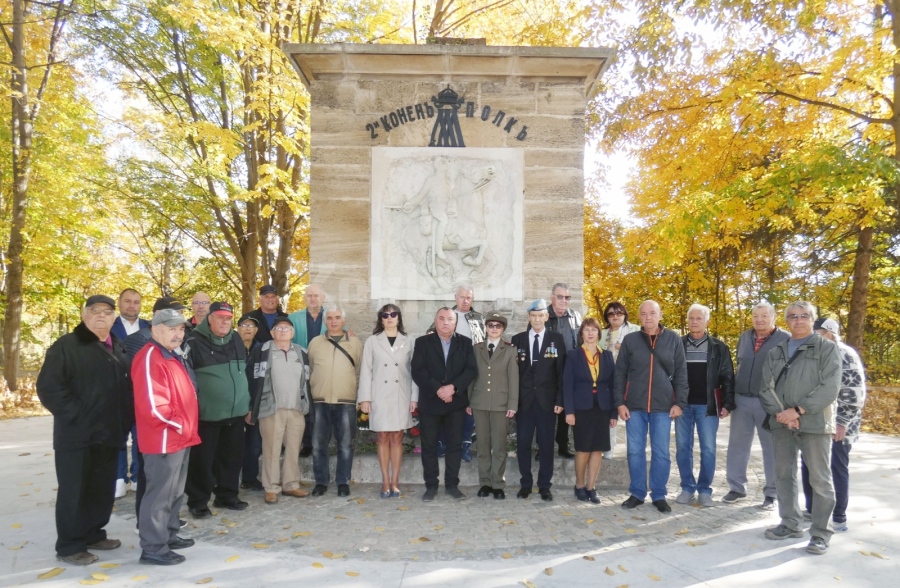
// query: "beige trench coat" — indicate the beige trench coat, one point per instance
point(386, 382)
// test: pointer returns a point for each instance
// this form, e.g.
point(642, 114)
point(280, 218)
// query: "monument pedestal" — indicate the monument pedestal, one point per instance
point(433, 166)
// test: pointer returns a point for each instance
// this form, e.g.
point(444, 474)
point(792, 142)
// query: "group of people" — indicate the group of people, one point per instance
point(207, 404)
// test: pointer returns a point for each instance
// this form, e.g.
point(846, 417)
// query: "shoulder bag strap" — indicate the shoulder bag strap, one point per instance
point(342, 350)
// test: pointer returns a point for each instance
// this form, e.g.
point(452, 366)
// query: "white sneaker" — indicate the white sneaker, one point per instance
point(120, 488)
point(134, 486)
point(685, 497)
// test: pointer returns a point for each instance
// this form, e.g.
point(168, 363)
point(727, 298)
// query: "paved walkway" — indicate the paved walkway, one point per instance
point(367, 541)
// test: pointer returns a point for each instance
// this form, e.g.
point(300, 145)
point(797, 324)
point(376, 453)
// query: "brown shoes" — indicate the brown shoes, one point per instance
point(78, 559)
point(106, 545)
point(271, 498)
point(296, 493)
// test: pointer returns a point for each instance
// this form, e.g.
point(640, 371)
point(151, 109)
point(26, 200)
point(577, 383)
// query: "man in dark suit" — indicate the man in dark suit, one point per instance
point(443, 367)
point(266, 314)
point(541, 355)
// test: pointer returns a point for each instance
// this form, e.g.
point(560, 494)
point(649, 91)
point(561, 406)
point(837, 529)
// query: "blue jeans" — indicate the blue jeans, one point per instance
point(658, 424)
point(707, 427)
point(341, 419)
point(122, 464)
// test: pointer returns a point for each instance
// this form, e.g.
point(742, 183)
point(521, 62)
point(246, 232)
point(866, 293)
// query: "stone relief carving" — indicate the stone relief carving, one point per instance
point(445, 216)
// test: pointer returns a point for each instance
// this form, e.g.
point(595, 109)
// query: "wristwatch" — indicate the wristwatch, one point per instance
point(797, 408)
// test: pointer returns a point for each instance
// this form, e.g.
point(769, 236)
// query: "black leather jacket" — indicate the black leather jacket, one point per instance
point(719, 374)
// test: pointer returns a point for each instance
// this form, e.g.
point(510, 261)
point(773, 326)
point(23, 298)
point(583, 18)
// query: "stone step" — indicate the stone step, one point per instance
point(613, 472)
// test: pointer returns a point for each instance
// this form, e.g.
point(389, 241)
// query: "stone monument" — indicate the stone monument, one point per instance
point(439, 165)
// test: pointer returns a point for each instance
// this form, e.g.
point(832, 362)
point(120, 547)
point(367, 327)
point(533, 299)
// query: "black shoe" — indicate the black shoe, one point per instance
point(305, 451)
point(581, 494)
point(662, 506)
point(632, 502)
point(523, 493)
point(454, 492)
point(170, 558)
point(499, 494)
point(592, 496)
point(768, 503)
point(319, 490)
point(343, 490)
point(429, 494)
point(180, 543)
point(485, 491)
point(565, 454)
point(545, 494)
point(255, 485)
point(237, 504)
point(200, 512)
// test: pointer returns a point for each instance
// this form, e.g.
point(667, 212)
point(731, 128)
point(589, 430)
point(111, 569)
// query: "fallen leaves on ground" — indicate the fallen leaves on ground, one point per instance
point(316, 564)
point(506, 555)
point(696, 543)
point(419, 540)
point(588, 557)
point(352, 574)
point(609, 572)
point(99, 576)
point(204, 580)
point(139, 578)
point(682, 532)
point(589, 521)
point(51, 574)
point(260, 545)
point(622, 568)
point(109, 566)
point(232, 558)
point(302, 534)
point(548, 571)
point(528, 584)
point(654, 577)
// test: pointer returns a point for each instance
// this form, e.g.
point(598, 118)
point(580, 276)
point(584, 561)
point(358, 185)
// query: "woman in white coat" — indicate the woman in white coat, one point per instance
point(387, 393)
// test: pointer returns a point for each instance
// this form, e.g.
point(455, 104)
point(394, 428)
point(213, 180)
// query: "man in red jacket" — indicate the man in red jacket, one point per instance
point(167, 417)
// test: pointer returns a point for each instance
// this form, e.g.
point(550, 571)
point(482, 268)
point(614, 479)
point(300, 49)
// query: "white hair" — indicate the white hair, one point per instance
point(802, 304)
point(465, 287)
point(764, 304)
point(704, 310)
point(334, 307)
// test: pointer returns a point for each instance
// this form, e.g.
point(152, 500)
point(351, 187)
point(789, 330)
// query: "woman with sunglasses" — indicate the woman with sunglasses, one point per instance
point(617, 326)
point(387, 392)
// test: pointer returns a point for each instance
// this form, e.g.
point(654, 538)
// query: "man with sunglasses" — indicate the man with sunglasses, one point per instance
point(801, 404)
point(565, 321)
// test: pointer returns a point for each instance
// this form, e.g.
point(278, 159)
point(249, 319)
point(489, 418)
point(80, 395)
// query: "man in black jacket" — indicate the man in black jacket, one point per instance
point(541, 356)
point(85, 383)
point(709, 368)
point(443, 367)
point(266, 314)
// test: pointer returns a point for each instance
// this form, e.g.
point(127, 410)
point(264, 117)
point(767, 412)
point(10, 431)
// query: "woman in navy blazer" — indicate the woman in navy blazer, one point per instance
point(588, 401)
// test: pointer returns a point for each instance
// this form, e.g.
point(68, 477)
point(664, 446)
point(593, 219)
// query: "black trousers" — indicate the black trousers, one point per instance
point(307, 431)
point(562, 432)
point(142, 487)
point(84, 500)
point(215, 464)
point(532, 422)
point(430, 427)
point(252, 451)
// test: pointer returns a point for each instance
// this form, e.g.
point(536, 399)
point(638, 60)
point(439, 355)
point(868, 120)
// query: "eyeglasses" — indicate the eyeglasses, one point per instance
point(561, 297)
point(248, 326)
point(804, 316)
point(282, 329)
point(392, 314)
point(99, 310)
point(494, 325)
point(200, 303)
point(614, 313)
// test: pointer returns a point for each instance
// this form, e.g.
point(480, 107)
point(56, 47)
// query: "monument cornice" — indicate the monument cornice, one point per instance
point(447, 62)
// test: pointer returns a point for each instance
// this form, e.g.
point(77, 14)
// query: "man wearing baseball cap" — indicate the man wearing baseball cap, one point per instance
point(166, 414)
point(219, 360)
point(269, 309)
point(850, 402)
point(84, 382)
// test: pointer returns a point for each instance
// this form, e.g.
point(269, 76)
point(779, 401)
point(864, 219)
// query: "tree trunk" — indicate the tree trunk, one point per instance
point(859, 295)
point(22, 128)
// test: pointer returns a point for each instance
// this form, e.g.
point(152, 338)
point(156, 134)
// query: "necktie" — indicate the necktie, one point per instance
point(491, 350)
point(535, 349)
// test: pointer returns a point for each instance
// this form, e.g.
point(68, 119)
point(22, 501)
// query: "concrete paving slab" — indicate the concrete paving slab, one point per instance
point(367, 541)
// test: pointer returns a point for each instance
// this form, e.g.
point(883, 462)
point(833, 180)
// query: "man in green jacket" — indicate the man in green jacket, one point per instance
point(219, 360)
point(801, 379)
